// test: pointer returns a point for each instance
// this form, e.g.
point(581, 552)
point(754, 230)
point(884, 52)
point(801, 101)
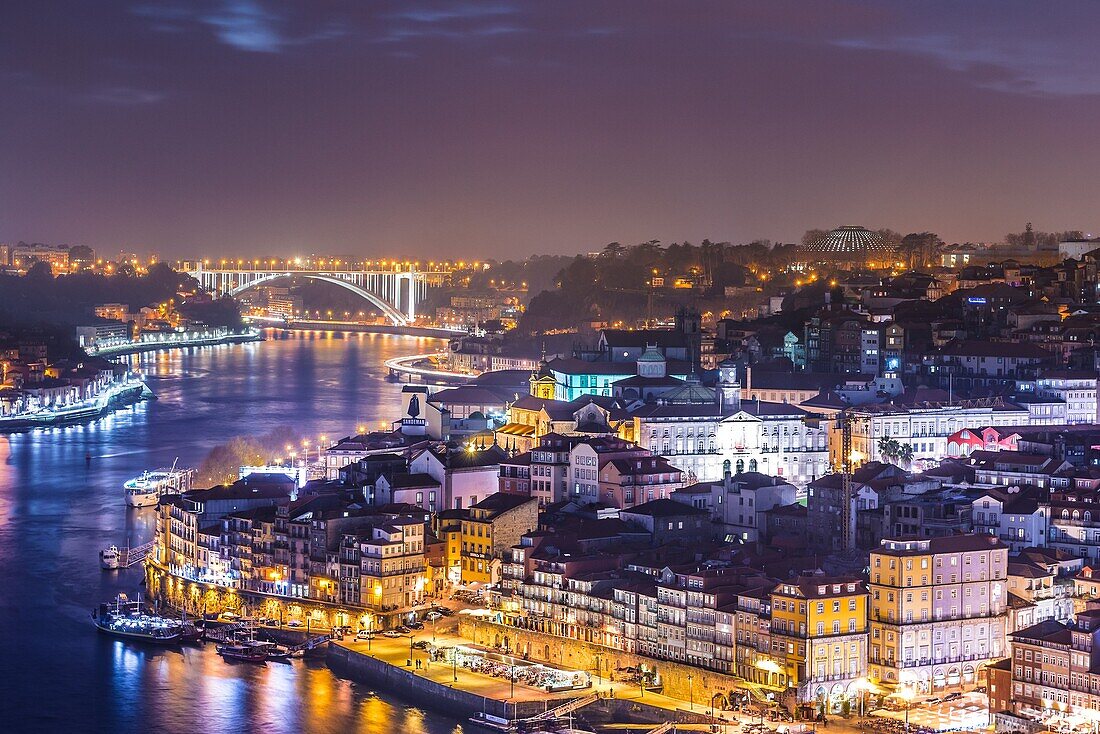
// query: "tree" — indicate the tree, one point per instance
point(613, 250)
point(890, 237)
point(812, 236)
point(918, 250)
point(888, 447)
point(905, 455)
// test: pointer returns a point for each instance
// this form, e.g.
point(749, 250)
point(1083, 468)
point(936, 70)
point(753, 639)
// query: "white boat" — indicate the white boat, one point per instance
point(492, 723)
point(110, 557)
point(146, 489)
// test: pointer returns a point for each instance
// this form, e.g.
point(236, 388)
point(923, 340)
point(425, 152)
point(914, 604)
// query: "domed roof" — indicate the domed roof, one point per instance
point(849, 242)
point(651, 354)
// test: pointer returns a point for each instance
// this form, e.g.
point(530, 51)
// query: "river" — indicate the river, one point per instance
point(56, 514)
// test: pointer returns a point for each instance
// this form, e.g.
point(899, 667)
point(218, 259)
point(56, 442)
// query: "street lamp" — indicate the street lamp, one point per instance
point(862, 685)
point(691, 693)
point(907, 694)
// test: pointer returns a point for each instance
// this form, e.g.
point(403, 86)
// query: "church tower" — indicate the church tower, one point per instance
point(728, 389)
point(542, 381)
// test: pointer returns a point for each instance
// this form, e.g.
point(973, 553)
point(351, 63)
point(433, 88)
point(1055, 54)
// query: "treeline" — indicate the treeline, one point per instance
point(223, 462)
point(39, 303)
point(618, 280)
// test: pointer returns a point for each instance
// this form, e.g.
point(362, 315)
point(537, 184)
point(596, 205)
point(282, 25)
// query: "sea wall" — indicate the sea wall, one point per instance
point(427, 331)
point(701, 687)
point(404, 682)
point(447, 699)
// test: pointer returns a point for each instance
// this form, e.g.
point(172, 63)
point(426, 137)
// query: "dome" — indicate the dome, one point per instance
point(651, 354)
point(850, 243)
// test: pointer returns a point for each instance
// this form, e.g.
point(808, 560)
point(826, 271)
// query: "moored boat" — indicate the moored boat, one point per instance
point(126, 619)
point(243, 652)
point(492, 723)
point(146, 489)
point(110, 558)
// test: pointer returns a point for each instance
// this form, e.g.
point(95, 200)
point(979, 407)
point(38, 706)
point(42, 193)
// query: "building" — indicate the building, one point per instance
point(938, 611)
point(819, 632)
point(925, 425)
point(1076, 388)
point(489, 530)
point(739, 502)
point(1054, 677)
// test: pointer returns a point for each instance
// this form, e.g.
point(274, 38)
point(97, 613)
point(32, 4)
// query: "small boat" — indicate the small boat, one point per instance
point(492, 723)
point(146, 489)
point(281, 653)
point(110, 558)
point(126, 619)
point(242, 652)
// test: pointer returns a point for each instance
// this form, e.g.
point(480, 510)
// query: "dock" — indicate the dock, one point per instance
point(132, 556)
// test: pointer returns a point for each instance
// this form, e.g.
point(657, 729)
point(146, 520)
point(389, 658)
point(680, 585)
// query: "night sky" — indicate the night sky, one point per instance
point(494, 128)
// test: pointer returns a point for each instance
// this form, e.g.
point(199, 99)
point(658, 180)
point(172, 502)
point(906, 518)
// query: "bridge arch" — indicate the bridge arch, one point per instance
point(395, 316)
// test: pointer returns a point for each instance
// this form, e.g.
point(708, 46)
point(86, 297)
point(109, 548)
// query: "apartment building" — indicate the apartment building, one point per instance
point(938, 610)
point(819, 637)
point(1054, 676)
point(489, 531)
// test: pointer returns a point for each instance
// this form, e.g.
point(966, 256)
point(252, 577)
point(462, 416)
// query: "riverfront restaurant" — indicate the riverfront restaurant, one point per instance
point(478, 659)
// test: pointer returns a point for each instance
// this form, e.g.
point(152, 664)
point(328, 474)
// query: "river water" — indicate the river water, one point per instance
point(58, 673)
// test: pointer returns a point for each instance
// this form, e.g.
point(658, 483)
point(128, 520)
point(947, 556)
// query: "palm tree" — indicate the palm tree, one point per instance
point(905, 454)
point(888, 447)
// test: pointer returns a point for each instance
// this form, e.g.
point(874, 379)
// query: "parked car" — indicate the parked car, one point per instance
point(443, 610)
point(415, 625)
point(432, 616)
point(401, 629)
point(391, 633)
point(422, 644)
point(295, 623)
point(953, 696)
point(363, 635)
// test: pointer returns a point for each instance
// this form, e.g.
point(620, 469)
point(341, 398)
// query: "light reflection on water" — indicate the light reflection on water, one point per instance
point(56, 514)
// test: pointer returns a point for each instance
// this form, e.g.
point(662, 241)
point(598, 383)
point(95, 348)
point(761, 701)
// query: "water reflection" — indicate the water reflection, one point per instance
point(56, 513)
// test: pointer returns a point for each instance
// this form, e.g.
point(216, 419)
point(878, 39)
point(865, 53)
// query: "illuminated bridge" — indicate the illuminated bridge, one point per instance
point(394, 289)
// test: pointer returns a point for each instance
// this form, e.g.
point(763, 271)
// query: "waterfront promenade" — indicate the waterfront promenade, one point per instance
point(180, 340)
point(370, 660)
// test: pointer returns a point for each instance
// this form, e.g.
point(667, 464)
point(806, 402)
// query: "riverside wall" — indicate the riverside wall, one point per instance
point(427, 331)
point(404, 682)
point(703, 686)
point(452, 701)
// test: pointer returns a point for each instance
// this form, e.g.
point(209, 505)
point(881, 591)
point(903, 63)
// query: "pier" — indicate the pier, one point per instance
point(132, 556)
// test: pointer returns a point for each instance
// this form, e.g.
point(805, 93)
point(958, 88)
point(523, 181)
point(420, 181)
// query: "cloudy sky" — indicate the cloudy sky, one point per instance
point(497, 128)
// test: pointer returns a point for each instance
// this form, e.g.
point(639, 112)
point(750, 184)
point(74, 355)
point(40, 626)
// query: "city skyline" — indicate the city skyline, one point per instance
point(500, 129)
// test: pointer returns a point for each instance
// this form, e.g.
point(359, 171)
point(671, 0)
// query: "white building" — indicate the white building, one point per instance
point(924, 426)
point(1076, 388)
point(1013, 515)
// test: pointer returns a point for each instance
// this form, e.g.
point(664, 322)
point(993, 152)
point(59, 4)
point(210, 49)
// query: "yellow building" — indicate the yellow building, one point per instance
point(819, 638)
point(447, 526)
point(543, 383)
point(490, 530)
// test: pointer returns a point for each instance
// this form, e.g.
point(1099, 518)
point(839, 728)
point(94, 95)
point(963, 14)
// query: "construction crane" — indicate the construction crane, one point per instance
point(847, 532)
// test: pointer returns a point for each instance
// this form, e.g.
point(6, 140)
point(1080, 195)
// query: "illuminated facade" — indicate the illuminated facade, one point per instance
point(938, 611)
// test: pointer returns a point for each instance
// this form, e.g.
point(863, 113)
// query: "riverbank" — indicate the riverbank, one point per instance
point(393, 666)
point(126, 391)
point(159, 342)
point(432, 332)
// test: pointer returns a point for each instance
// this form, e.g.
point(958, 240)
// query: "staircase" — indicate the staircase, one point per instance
point(565, 709)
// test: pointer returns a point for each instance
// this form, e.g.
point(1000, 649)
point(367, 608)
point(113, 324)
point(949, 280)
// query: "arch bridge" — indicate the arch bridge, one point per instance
point(395, 293)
